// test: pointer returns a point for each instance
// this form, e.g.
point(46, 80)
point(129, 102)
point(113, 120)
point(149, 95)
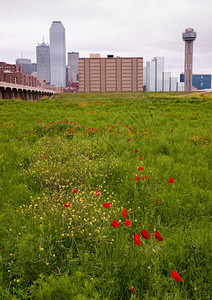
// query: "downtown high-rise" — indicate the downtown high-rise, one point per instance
point(73, 66)
point(43, 62)
point(154, 74)
point(57, 54)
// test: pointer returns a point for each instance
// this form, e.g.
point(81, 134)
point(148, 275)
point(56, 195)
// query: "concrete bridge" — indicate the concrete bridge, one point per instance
point(25, 92)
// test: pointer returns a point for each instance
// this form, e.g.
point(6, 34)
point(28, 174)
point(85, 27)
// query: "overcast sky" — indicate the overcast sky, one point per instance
point(144, 28)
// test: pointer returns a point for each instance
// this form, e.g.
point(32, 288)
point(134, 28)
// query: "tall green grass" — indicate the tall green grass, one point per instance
point(87, 142)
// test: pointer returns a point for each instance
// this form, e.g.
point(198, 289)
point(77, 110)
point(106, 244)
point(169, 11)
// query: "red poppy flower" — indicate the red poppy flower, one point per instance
point(137, 239)
point(66, 204)
point(124, 213)
point(115, 223)
point(75, 191)
point(44, 157)
point(137, 178)
point(171, 180)
point(136, 151)
point(98, 193)
point(158, 236)
point(145, 234)
point(127, 223)
point(128, 139)
point(140, 168)
point(16, 138)
point(107, 204)
point(172, 130)
point(131, 289)
point(207, 139)
point(144, 177)
point(176, 276)
point(141, 158)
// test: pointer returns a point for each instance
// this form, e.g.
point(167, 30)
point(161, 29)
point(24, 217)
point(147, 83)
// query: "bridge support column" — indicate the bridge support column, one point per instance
point(17, 95)
point(30, 95)
point(5, 94)
point(35, 96)
point(11, 94)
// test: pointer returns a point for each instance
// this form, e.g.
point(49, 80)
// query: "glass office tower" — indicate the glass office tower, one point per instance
point(57, 54)
point(73, 63)
point(43, 62)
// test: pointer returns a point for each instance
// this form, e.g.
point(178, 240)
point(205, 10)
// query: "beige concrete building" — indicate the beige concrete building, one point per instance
point(111, 74)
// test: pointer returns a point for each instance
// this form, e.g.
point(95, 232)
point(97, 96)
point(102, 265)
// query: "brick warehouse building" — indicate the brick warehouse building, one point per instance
point(14, 74)
point(110, 74)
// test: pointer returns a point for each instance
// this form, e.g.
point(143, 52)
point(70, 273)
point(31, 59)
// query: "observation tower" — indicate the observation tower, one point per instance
point(189, 35)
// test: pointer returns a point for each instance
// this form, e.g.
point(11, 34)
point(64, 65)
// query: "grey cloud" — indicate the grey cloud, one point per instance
point(131, 28)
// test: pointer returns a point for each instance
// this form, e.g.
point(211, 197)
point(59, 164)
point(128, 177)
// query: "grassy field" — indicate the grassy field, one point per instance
point(146, 157)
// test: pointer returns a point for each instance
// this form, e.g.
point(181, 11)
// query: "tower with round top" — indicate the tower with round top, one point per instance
point(189, 35)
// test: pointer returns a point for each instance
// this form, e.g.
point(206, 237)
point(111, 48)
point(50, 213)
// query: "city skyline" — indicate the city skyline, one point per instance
point(116, 27)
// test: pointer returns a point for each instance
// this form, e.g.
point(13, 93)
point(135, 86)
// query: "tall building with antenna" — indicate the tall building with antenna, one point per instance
point(189, 35)
point(43, 62)
point(57, 54)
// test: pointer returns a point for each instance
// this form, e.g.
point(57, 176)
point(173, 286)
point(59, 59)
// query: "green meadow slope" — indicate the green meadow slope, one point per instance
point(103, 196)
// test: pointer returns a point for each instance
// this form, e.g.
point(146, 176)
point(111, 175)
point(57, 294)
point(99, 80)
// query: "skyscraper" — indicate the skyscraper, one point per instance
point(188, 36)
point(26, 64)
point(166, 80)
point(159, 69)
point(150, 76)
point(57, 54)
point(43, 62)
point(73, 63)
point(154, 74)
point(173, 84)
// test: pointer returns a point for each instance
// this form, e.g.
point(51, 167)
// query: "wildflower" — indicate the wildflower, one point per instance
point(140, 168)
point(115, 223)
point(75, 191)
point(141, 158)
point(124, 213)
point(171, 180)
point(172, 130)
point(44, 157)
point(158, 236)
point(145, 234)
point(107, 204)
point(136, 151)
point(144, 177)
point(176, 276)
point(67, 204)
point(128, 139)
point(137, 239)
point(137, 178)
point(97, 193)
point(127, 223)
point(131, 289)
